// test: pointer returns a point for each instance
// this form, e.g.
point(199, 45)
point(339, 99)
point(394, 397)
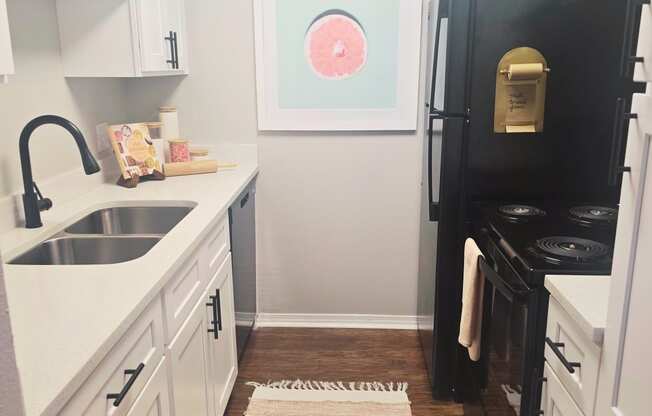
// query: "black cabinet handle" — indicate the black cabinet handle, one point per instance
point(214, 330)
point(219, 309)
point(176, 51)
point(617, 141)
point(555, 347)
point(119, 397)
point(629, 58)
point(170, 38)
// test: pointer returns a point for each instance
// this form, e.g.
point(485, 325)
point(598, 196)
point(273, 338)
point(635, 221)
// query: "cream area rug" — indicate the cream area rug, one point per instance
point(322, 398)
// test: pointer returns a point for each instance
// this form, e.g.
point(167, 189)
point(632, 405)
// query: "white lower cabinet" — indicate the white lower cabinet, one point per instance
point(179, 357)
point(203, 354)
point(115, 384)
point(155, 397)
point(555, 400)
point(222, 353)
point(189, 373)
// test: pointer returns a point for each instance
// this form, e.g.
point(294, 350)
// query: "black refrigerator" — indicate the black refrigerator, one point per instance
point(588, 46)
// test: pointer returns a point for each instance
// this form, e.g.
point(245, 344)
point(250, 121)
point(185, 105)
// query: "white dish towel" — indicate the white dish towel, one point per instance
point(472, 296)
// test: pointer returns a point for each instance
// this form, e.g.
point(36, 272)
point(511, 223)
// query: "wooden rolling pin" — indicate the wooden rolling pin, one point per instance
point(194, 168)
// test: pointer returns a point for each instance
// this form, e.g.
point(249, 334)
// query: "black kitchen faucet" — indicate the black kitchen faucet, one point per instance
point(33, 201)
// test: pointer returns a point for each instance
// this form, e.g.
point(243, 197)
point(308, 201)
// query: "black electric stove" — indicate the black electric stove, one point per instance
point(554, 238)
point(521, 244)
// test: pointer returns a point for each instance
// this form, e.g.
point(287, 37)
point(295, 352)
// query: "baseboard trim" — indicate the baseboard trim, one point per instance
point(294, 320)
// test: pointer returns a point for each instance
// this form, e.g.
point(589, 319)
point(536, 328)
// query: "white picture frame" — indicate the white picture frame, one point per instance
point(401, 117)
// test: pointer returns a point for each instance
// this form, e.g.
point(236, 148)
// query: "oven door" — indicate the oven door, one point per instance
point(508, 331)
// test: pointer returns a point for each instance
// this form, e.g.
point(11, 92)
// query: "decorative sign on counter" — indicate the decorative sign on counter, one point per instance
point(135, 153)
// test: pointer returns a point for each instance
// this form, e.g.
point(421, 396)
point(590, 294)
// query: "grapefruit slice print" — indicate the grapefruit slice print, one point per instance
point(336, 45)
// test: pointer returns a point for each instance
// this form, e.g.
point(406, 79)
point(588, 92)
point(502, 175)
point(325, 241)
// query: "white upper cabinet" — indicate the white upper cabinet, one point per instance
point(6, 57)
point(122, 38)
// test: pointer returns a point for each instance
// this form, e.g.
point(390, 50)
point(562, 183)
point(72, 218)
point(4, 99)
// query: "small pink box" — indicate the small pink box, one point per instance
point(179, 151)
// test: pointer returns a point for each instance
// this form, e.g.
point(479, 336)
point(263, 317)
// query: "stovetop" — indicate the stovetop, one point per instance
point(555, 238)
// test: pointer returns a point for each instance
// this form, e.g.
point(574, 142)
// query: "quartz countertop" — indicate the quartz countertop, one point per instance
point(65, 319)
point(585, 299)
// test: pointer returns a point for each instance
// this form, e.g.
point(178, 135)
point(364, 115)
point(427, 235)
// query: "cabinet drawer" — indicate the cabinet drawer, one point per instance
point(141, 346)
point(217, 245)
point(182, 292)
point(555, 400)
point(155, 397)
point(576, 348)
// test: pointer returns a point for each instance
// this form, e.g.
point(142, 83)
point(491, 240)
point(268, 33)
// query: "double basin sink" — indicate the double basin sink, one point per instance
point(107, 236)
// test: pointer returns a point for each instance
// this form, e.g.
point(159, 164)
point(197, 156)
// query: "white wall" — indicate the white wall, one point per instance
point(337, 213)
point(40, 88)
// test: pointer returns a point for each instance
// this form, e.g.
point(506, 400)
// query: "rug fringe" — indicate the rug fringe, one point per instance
point(330, 385)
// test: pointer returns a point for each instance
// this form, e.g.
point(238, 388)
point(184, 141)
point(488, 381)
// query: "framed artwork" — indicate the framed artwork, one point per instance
point(337, 64)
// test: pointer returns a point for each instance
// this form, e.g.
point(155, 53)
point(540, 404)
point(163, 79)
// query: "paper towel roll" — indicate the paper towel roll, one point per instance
point(521, 72)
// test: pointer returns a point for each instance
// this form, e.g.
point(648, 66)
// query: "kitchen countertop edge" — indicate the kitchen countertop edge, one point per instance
point(585, 299)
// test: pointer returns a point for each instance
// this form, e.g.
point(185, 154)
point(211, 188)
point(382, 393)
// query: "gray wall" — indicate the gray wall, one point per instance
point(337, 213)
point(40, 88)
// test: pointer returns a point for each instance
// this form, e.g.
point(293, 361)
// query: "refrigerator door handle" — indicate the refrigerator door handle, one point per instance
point(433, 206)
point(441, 114)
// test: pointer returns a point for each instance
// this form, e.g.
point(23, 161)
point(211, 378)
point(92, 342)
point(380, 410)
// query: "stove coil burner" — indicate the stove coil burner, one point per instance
point(560, 250)
point(520, 213)
point(591, 214)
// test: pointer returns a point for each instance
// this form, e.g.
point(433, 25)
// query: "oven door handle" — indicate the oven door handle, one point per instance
point(505, 288)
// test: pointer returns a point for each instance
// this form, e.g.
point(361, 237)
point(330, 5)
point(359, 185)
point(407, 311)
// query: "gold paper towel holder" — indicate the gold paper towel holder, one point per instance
point(521, 79)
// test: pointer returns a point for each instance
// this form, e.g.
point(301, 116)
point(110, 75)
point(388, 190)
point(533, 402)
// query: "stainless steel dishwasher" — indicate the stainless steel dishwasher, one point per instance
point(242, 224)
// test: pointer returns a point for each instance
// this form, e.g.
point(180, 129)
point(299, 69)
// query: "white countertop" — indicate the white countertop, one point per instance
point(66, 318)
point(585, 299)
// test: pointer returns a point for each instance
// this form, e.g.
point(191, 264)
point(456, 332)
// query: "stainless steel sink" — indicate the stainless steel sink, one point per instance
point(130, 220)
point(107, 236)
point(87, 250)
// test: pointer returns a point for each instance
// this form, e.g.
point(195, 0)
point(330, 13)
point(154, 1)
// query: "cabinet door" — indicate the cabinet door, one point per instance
point(155, 397)
point(626, 373)
point(555, 400)
point(223, 361)
point(6, 57)
point(188, 357)
point(174, 21)
point(155, 49)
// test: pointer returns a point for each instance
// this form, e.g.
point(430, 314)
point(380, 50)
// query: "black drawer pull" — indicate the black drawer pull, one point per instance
point(171, 39)
point(555, 347)
point(219, 309)
point(176, 51)
point(214, 330)
point(119, 397)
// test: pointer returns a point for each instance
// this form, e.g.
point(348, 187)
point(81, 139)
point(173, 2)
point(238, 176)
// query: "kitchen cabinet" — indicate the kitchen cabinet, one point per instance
point(122, 38)
point(155, 397)
point(626, 374)
point(188, 355)
point(124, 371)
point(555, 401)
point(204, 360)
point(6, 56)
point(573, 361)
point(221, 342)
point(181, 352)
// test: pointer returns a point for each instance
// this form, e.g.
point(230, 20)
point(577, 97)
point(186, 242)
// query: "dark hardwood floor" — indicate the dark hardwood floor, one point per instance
point(338, 355)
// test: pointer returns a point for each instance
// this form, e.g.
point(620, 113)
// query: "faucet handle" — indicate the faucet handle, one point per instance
point(43, 204)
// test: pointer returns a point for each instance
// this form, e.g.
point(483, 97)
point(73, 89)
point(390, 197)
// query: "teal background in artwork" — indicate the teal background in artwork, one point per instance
point(374, 87)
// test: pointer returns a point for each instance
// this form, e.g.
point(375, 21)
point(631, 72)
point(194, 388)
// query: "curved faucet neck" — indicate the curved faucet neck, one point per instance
point(31, 199)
